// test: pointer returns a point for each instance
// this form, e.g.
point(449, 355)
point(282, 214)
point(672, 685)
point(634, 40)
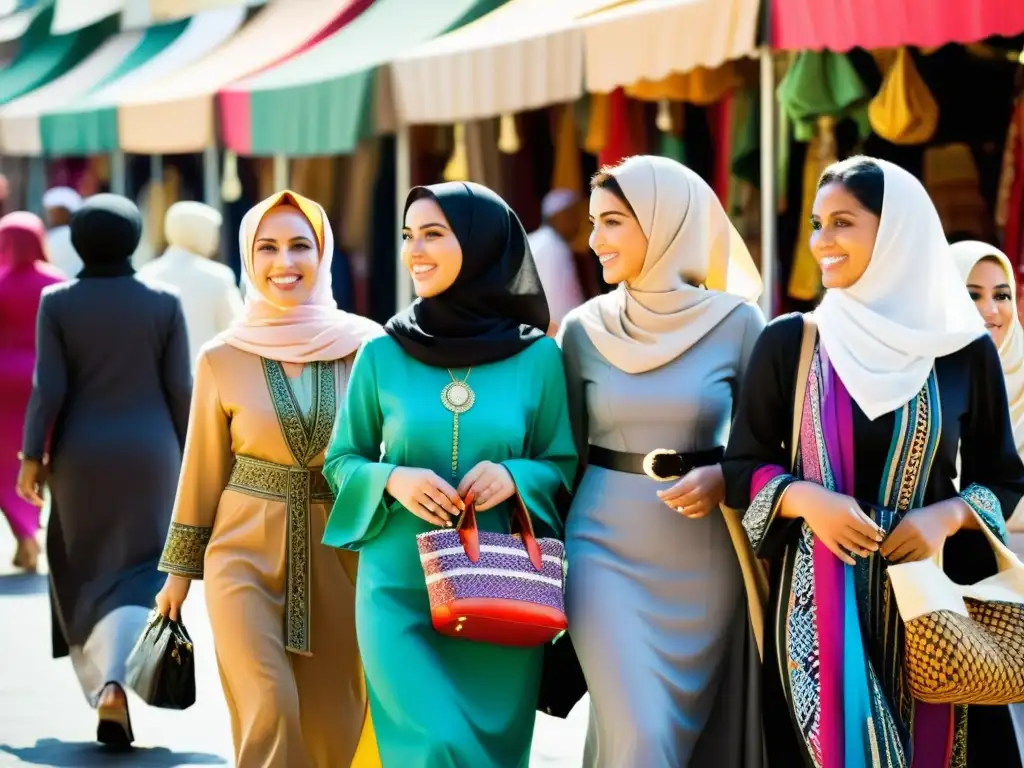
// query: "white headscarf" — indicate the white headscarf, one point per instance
point(1011, 349)
point(193, 227)
point(909, 307)
point(690, 242)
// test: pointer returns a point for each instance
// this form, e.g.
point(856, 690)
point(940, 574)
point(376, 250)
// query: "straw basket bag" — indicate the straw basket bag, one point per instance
point(963, 644)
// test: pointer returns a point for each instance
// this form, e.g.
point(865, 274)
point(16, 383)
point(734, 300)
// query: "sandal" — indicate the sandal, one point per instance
point(115, 725)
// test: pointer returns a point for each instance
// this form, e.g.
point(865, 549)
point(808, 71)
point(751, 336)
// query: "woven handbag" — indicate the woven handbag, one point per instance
point(500, 588)
point(963, 644)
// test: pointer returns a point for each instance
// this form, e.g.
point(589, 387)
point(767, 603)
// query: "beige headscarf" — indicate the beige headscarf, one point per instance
point(690, 243)
point(314, 331)
point(1011, 351)
point(193, 227)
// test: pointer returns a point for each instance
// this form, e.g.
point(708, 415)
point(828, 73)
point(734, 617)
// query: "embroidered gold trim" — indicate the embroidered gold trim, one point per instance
point(307, 437)
point(267, 480)
point(185, 550)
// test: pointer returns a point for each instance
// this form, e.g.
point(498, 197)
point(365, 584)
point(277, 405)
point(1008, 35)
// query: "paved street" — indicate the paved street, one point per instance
point(44, 720)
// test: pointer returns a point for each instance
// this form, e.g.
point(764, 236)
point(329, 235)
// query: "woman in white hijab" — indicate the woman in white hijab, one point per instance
point(655, 590)
point(990, 282)
point(901, 373)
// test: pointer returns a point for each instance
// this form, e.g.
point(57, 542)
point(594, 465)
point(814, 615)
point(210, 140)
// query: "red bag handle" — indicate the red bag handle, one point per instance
point(469, 534)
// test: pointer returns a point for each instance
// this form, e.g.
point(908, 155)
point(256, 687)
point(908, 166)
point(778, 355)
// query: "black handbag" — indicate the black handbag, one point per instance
point(161, 668)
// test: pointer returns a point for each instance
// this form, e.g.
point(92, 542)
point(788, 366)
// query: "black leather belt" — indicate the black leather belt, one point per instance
point(659, 464)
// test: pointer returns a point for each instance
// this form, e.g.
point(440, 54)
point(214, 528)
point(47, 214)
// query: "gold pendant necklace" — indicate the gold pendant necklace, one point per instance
point(458, 398)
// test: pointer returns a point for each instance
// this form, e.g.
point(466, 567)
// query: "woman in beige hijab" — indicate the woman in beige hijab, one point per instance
point(655, 594)
point(990, 281)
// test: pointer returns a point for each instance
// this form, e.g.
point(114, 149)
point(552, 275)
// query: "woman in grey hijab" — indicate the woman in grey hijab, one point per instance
point(105, 429)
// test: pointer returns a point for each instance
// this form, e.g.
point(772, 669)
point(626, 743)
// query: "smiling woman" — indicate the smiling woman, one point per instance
point(286, 256)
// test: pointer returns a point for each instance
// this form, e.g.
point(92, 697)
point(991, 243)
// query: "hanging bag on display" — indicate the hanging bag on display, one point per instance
point(501, 588)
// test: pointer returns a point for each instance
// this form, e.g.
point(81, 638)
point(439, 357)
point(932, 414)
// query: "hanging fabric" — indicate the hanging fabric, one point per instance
point(701, 86)
point(805, 276)
point(568, 171)
point(904, 110)
point(598, 123)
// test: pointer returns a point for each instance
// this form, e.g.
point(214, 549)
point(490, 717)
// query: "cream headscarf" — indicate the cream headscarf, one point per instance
point(1011, 350)
point(690, 242)
point(314, 331)
point(909, 307)
point(193, 227)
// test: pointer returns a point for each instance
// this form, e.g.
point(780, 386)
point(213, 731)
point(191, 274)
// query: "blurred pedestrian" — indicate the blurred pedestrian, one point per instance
point(60, 204)
point(209, 295)
point(562, 215)
point(24, 273)
point(105, 429)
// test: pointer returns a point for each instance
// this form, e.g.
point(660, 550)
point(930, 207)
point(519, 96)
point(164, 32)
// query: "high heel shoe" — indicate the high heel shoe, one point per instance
point(114, 728)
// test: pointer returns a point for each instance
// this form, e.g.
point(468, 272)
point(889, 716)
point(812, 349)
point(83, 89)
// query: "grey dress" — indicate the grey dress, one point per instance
point(111, 392)
point(655, 600)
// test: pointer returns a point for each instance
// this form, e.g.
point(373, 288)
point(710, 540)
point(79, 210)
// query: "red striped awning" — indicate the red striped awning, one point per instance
point(839, 25)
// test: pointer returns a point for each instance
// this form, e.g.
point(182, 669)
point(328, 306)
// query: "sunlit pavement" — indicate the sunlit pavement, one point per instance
point(44, 719)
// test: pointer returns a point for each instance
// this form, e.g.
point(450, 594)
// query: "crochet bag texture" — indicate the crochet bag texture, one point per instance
point(963, 644)
point(500, 588)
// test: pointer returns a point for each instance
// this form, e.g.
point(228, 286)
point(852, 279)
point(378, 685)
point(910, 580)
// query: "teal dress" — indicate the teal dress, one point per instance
point(440, 702)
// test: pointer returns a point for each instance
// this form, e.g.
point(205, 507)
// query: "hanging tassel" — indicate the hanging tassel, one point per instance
point(508, 136)
point(457, 168)
point(231, 185)
point(664, 119)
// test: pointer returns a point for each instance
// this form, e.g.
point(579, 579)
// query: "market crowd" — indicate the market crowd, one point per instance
point(764, 523)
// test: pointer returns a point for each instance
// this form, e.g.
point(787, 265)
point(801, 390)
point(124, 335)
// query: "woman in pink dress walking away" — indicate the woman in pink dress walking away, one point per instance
point(24, 273)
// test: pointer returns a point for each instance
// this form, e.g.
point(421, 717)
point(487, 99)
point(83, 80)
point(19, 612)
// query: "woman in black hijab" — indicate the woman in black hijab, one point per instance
point(105, 429)
point(468, 397)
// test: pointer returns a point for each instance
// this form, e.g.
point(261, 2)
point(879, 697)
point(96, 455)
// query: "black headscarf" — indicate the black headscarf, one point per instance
point(105, 232)
point(496, 307)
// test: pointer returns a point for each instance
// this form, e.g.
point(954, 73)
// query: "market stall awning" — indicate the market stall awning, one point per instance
point(71, 15)
point(525, 55)
point(176, 114)
point(652, 39)
point(19, 119)
point(321, 102)
point(165, 10)
point(839, 25)
point(16, 24)
point(89, 125)
point(43, 57)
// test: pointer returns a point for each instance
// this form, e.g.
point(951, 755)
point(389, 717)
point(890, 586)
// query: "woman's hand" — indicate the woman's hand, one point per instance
point(32, 476)
point(488, 484)
point(837, 520)
point(699, 491)
point(172, 596)
point(923, 532)
point(425, 494)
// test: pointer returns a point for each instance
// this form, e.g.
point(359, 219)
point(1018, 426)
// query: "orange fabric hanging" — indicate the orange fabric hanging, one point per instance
point(700, 86)
point(567, 172)
point(598, 123)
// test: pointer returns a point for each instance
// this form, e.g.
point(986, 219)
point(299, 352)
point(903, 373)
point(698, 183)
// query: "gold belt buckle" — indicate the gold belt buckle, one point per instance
point(649, 464)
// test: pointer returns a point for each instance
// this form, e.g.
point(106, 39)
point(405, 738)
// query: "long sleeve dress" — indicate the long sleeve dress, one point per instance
point(437, 701)
point(251, 508)
point(21, 288)
point(111, 395)
point(655, 600)
point(903, 460)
